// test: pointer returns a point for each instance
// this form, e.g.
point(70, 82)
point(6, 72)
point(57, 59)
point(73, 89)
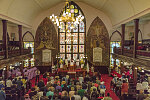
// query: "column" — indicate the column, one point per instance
point(21, 68)
point(122, 38)
point(20, 39)
point(121, 66)
point(5, 42)
point(136, 30)
point(134, 74)
point(114, 64)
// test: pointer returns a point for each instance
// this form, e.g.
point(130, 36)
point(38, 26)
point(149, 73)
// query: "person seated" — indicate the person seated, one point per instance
point(65, 96)
point(26, 97)
point(76, 96)
point(40, 93)
point(86, 96)
point(81, 92)
point(108, 97)
point(118, 86)
point(141, 96)
point(65, 88)
point(124, 88)
point(2, 94)
point(32, 93)
point(147, 97)
point(58, 87)
point(81, 79)
point(50, 93)
point(44, 97)
point(102, 89)
point(8, 84)
point(41, 84)
point(94, 94)
point(86, 79)
point(78, 86)
point(93, 86)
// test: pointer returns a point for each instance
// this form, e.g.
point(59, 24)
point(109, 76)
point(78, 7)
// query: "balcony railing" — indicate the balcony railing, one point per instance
point(129, 52)
point(12, 53)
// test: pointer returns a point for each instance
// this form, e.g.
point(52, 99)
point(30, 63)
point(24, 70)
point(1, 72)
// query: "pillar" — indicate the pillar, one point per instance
point(5, 42)
point(134, 74)
point(114, 64)
point(136, 31)
point(21, 68)
point(121, 66)
point(122, 38)
point(20, 39)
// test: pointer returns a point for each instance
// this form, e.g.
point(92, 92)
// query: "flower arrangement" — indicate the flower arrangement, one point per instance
point(61, 61)
point(81, 61)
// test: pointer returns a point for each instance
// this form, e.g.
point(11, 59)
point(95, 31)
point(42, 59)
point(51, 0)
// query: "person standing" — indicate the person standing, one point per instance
point(2, 95)
point(108, 97)
point(37, 75)
point(8, 84)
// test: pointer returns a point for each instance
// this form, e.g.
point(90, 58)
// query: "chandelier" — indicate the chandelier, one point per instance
point(66, 16)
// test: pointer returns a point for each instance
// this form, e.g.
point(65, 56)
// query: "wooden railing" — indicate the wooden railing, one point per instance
point(16, 52)
point(129, 52)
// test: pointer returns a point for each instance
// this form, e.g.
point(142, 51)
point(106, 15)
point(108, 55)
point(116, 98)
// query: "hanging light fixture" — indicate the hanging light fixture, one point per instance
point(66, 16)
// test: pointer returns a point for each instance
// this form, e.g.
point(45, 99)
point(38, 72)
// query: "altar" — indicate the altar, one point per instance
point(71, 73)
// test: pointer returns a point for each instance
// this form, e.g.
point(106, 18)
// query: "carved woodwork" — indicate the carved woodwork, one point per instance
point(98, 37)
point(46, 38)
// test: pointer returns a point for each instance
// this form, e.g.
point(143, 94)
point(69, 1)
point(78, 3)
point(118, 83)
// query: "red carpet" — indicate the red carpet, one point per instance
point(107, 81)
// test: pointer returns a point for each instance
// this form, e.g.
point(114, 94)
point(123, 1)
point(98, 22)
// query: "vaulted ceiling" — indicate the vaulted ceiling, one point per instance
point(117, 10)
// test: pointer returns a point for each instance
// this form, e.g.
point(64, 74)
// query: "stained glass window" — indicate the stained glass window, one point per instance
point(75, 56)
point(68, 38)
point(62, 38)
point(62, 27)
point(29, 44)
point(81, 48)
point(81, 26)
point(69, 56)
point(62, 48)
point(62, 56)
point(26, 45)
point(75, 48)
point(68, 48)
point(72, 36)
point(75, 29)
point(112, 45)
point(81, 38)
point(75, 38)
point(26, 63)
point(81, 56)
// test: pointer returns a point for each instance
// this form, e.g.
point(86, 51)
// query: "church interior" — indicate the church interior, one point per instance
point(74, 50)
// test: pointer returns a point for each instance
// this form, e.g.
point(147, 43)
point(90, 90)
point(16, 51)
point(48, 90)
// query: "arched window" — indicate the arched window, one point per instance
point(72, 41)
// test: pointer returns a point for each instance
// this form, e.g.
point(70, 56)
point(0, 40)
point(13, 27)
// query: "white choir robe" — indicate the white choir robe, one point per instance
point(82, 65)
point(87, 69)
point(53, 68)
point(77, 63)
point(61, 66)
point(71, 63)
point(66, 62)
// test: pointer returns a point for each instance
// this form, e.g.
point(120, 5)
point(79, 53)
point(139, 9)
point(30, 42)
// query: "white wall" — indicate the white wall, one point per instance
point(12, 28)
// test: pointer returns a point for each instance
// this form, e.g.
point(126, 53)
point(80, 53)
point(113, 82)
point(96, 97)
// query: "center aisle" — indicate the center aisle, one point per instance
point(107, 81)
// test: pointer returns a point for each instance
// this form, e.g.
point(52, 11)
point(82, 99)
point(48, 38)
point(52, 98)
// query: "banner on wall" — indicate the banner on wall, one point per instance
point(46, 56)
point(97, 54)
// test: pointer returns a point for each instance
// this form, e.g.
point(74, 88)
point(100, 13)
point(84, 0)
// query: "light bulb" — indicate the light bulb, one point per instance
point(50, 17)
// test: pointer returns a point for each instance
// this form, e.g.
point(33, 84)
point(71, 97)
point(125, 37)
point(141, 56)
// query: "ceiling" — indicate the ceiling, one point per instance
point(117, 10)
